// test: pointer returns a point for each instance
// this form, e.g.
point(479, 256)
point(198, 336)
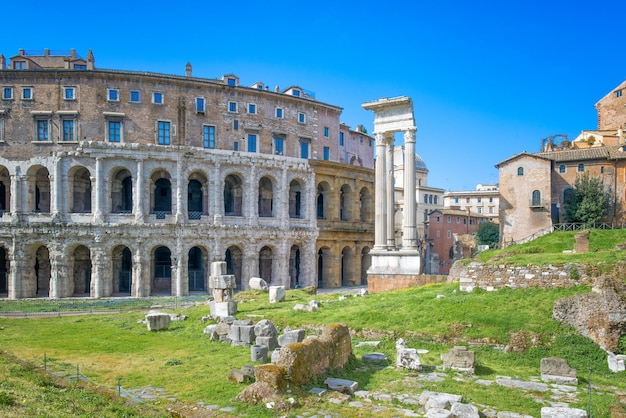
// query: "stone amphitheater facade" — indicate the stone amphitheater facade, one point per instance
point(123, 183)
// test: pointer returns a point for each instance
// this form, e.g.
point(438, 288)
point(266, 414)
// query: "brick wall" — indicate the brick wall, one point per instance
point(384, 282)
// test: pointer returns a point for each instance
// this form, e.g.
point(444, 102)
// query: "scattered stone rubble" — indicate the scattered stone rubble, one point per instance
point(459, 358)
point(557, 370)
point(222, 286)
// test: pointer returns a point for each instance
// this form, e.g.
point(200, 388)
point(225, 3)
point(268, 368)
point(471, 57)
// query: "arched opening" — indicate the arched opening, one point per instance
point(233, 192)
point(365, 205)
point(5, 190)
point(122, 270)
point(294, 267)
point(81, 271)
point(345, 203)
point(322, 200)
point(266, 197)
point(195, 198)
point(323, 267)
point(295, 199)
point(38, 184)
point(81, 191)
point(4, 269)
point(234, 263)
point(536, 198)
point(122, 192)
point(347, 267)
point(265, 264)
point(162, 197)
point(162, 279)
point(366, 262)
point(43, 271)
point(195, 270)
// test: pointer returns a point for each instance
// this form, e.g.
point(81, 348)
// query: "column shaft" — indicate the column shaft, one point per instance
point(390, 200)
point(409, 231)
point(380, 213)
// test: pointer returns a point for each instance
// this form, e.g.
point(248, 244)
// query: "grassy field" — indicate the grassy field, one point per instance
point(108, 349)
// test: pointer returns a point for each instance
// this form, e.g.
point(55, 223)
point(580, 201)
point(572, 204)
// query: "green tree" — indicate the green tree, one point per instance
point(488, 233)
point(589, 200)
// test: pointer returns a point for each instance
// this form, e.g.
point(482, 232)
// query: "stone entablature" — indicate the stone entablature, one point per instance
point(498, 276)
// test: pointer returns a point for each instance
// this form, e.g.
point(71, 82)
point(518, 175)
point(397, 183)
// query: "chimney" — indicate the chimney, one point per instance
point(73, 53)
point(188, 69)
point(3, 62)
point(46, 52)
point(21, 52)
point(90, 60)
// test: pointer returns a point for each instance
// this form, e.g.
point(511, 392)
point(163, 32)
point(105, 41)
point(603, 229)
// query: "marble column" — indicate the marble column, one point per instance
point(390, 198)
point(56, 183)
point(409, 231)
point(99, 187)
point(380, 221)
point(139, 193)
point(180, 184)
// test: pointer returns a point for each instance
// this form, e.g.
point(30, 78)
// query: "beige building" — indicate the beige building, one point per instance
point(118, 183)
point(483, 201)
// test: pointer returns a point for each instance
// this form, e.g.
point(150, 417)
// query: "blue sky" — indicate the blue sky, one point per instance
point(488, 79)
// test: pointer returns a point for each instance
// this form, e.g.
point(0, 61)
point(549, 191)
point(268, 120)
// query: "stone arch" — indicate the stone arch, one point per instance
point(79, 186)
point(366, 262)
point(234, 263)
point(324, 265)
point(39, 197)
point(121, 191)
point(233, 195)
point(295, 278)
point(80, 271)
point(122, 270)
point(365, 205)
point(347, 267)
point(161, 271)
point(266, 261)
point(161, 193)
point(38, 271)
point(5, 190)
point(323, 200)
point(196, 269)
point(5, 268)
point(197, 192)
point(295, 199)
point(266, 197)
point(346, 199)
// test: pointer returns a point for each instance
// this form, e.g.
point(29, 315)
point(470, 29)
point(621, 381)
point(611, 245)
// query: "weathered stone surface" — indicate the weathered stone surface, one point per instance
point(218, 268)
point(294, 336)
point(257, 283)
point(277, 294)
point(554, 369)
point(458, 358)
point(258, 392)
point(222, 309)
point(439, 398)
point(407, 358)
point(464, 410)
point(248, 370)
point(273, 375)
point(210, 331)
point(246, 334)
point(157, 321)
point(438, 413)
point(317, 391)
point(582, 241)
point(341, 385)
point(265, 328)
point(311, 290)
point(237, 376)
point(520, 384)
point(226, 281)
point(270, 342)
point(616, 362)
point(550, 412)
point(258, 353)
point(599, 315)
point(374, 358)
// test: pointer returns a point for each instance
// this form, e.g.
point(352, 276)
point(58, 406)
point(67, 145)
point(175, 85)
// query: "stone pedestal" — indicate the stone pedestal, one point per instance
point(222, 286)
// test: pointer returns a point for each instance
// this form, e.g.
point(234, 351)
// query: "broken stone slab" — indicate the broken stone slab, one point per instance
point(295, 336)
point(617, 362)
point(374, 358)
point(248, 370)
point(258, 353)
point(317, 391)
point(275, 355)
point(257, 283)
point(156, 321)
point(222, 309)
point(341, 385)
point(556, 370)
point(551, 412)
point(265, 328)
point(438, 413)
point(368, 343)
point(407, 358)
point(210, 331)
point(226, 281)
point(302, 307)
point(464, 410)
point(445, 398)
point(520, 384)
point(218, 268)
point(458, 358)
point(277, 294)
point(270, 342)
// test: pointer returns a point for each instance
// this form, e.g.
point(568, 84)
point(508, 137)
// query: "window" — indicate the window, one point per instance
point(456, 200)
point(301, 117)
point(480, 209)
point(562, 168)
point(7, 93)
point(438, 219)
point(326, 131)
point(114, 130)
point(68, 133)
point(200, 104)
point(490, 209)
point(449, 234)
point(479, 200)
point(438, 234)
point(80, 67)
point(341, 138)
point(135, 96)
point(536, 198)
point(113, 95)
point(361, 139)
point(425, 198)
point(279, 113)
point(208, 134)
point(449, 219)
point(430, 199)
point(602, 170)
point(235, 146)
point(326, 153)
point(491, 200)
point(235, 125)
point(19, 65)
point(435, 200)
point(41, 133)
point(458, 219)
point(467, 200)
point(157, 97)
point(618, 93)
point(581, 168)
point(295, 93)
point(304, 148)
point(27, 93)
point(163, 132)
point(251, 143)
point(252, 108)
point(520, 171)
point(231, 81)
point(69, 93)
point(567, 195)
point(279, 144)
point(232, 107)
point(369, 142)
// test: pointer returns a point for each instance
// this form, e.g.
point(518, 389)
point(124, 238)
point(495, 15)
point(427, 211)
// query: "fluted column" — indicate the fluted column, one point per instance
point(380, 221)
point(390, 189)
point(409, 231)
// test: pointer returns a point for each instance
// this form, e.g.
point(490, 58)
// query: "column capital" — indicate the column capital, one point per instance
point(409, 135)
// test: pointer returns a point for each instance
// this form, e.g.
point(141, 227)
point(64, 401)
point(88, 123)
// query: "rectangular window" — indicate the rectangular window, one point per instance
point(80, 67)
point(449, 219)
point(42, 130)
point(456, 200)
point(251, 143)
point(491, 200)
point(252, 108)
point(479, 200)
point(279, 144)
point(157, 97)
point(480, 210)
point(135, 96)
point(301, 117)
point(618, 93)
point(438, 234)
point(114, 130)
point(425, 198)
point(163, 133)
point(7, 93)
point(458, 219)
point(208, 136)
point(235, 146)
point(69, 93)
point(232, 107)
point(19, 65)
point(467, 200)
point(27, 93)
point(369, 142)
point(449, 234)
point(113, 95)
point(341, 139)
point(490, 210)
point(231, 81)
point(326, 153)
point(304, 148)
point(326, 131)
point(279, 113)
point(200, 104)
point(235, 125)
point(69, 130)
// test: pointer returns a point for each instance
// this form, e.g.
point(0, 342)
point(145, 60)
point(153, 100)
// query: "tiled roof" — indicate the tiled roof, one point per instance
point(592, 153)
